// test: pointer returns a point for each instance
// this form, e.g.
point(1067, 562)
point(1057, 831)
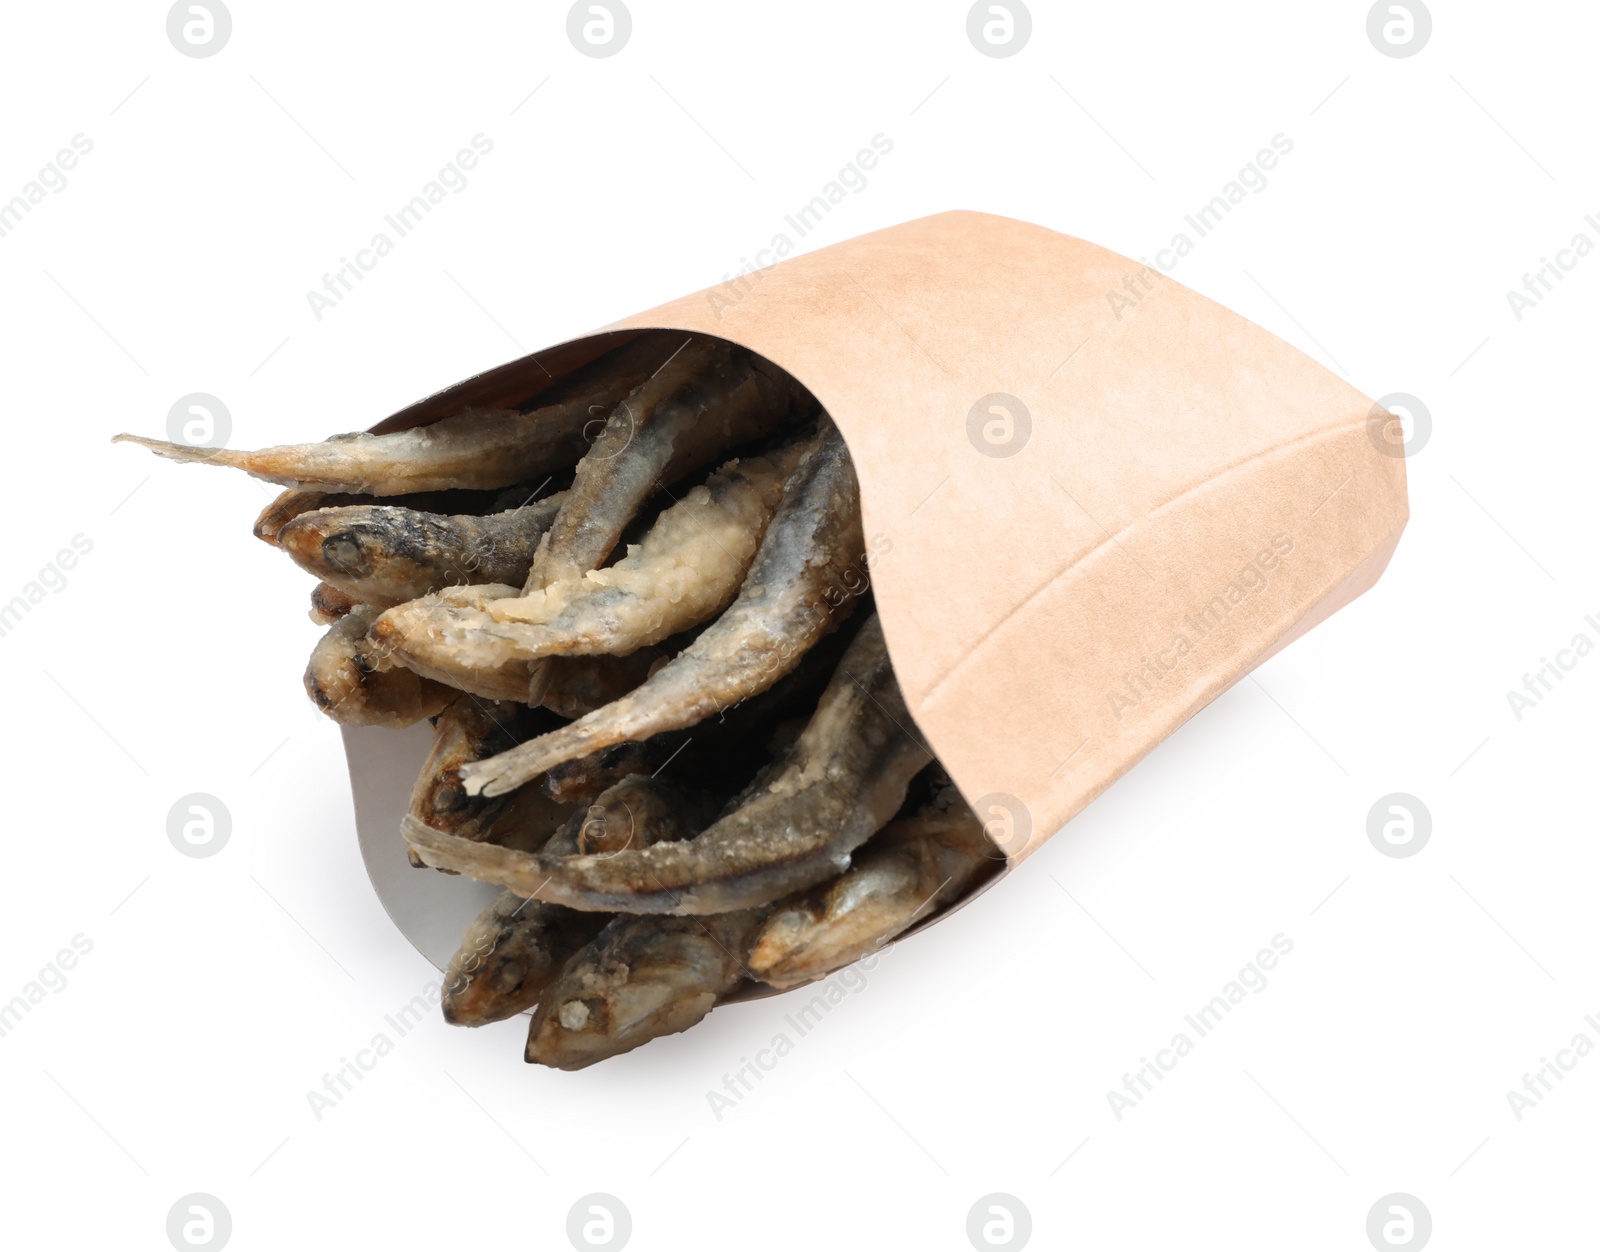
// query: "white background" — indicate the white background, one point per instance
point(979, 1056)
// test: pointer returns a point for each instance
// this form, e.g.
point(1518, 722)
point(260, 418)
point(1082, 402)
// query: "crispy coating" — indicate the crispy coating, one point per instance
point(904, 873)
point(635, 813)
point(708, 398)
point(791, 597)
point(640, 978)
point(515, 947)
point(292, 502)
point(716, 752)
point(794, 826)
point(453, 595)
point(350, 680)
point(640, 812)
point(470, 668)
point(386, 555)
point(509, 954)
point(685, 571)
point(478, 448)
point(570, 686)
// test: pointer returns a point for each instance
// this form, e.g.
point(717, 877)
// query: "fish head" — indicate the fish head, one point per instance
point(353, 542)
point(487, 975)
point(446, 805)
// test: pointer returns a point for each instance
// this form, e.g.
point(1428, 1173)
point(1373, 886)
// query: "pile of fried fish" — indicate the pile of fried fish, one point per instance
point(636, 610)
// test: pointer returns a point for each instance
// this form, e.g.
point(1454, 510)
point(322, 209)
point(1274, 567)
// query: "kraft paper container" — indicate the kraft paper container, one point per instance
point(1093, 499)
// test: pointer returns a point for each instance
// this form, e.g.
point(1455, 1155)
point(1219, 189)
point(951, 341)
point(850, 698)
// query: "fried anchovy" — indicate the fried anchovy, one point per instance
point(684, 572)
point(568, 686)
point(709, 398)
point(467, 730)
point(730, 746)
point(349, 679)
point(294, 501)
point(509, 954)
point(478, 448)
point(385, 555)
point(794, 826)
point(790, 598)
point(467, 668)
point(634, 813)
point(639, 979)
point(904, 873)
point(639, 812)
point(285, 507)
point(516, 946)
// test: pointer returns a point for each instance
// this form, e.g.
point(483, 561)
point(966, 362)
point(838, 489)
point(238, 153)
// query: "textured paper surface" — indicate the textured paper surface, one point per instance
point(1192, 493)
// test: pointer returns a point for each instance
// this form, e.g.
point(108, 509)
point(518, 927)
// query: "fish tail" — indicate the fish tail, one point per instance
point(185, 453)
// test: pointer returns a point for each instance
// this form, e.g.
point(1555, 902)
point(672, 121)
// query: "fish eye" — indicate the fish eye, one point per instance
point(449, 797)
point(343, 551)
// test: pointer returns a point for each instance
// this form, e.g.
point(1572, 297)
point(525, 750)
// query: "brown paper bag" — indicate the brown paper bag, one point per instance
point(1094, 500)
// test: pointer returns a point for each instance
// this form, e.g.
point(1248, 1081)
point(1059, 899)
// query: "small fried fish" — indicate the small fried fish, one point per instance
point(907, 871)
point(468, 729)
point(386, 555)
point(468, 666)
point(789, 600)
point(708, 398)
point(285, 507)
point(516, 946)
point(639, 979)
point(478, 448)
point(686, 570)
point(794, 826)
point(350, 680)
